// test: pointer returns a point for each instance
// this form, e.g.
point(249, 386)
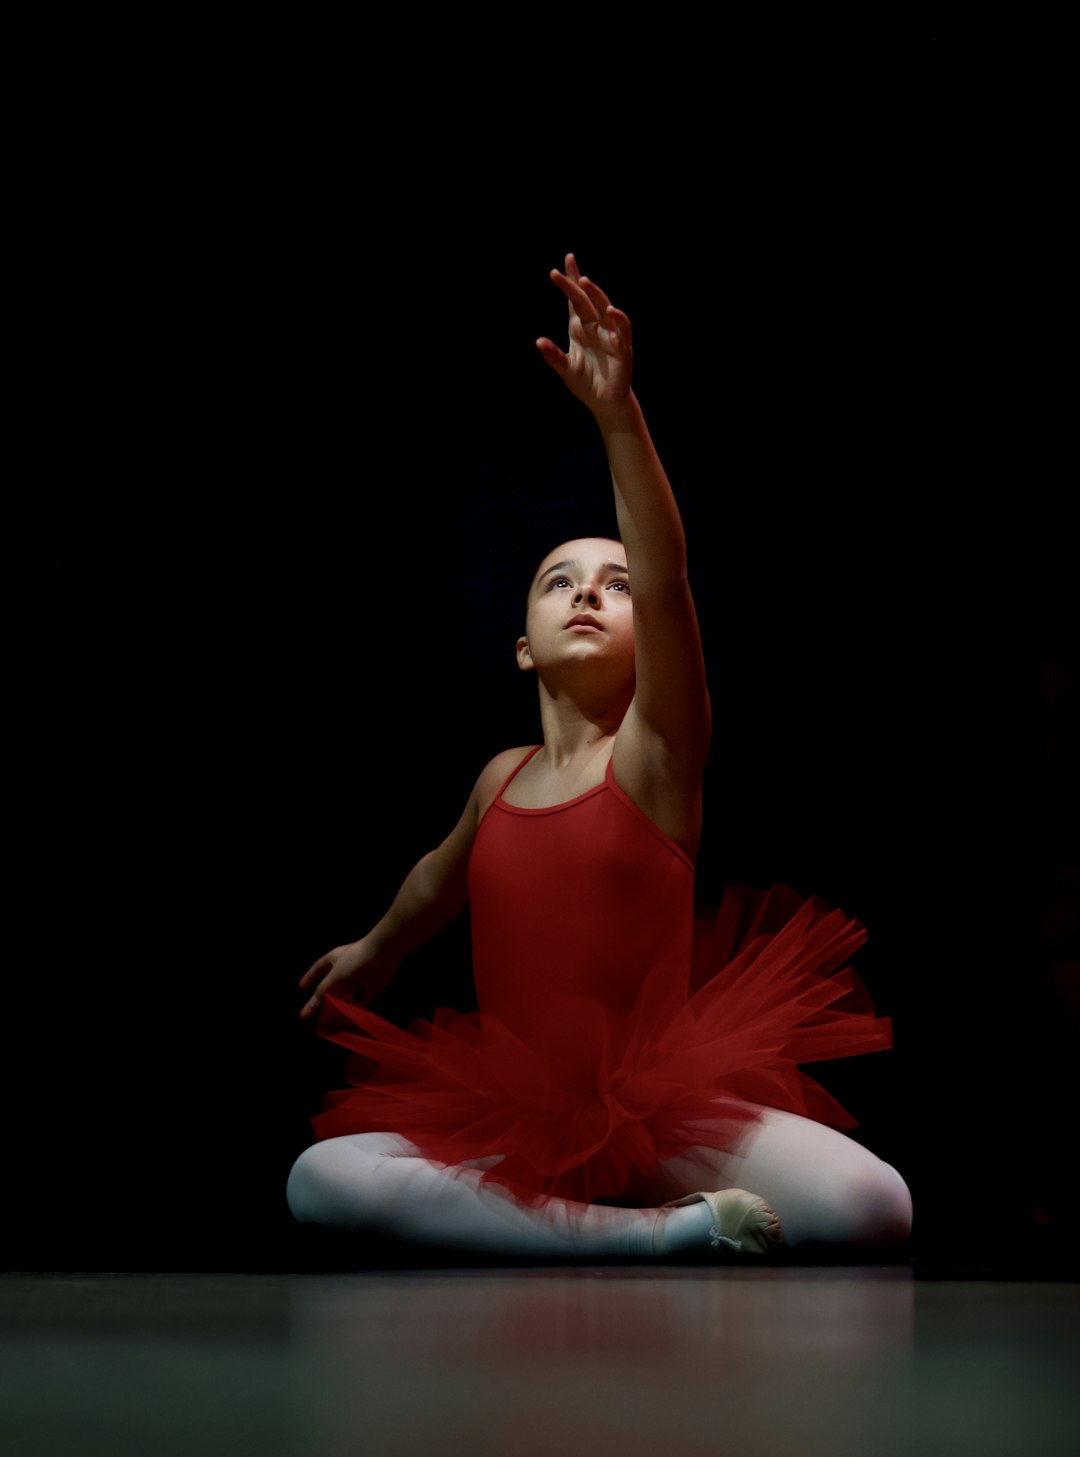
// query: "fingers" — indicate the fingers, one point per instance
point(621, 323)
point(603, 338)
point(323, 964)
point(572, 272)
point(313, 1006)
point(578, 299)
point(554, 356)
point(318, 971)
point(588, 303)
point(599, 298)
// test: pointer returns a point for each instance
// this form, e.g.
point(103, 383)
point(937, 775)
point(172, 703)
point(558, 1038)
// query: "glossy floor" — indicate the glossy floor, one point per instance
point(564, 1362)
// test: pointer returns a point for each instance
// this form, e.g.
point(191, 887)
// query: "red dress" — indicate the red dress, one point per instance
point(614, 1030)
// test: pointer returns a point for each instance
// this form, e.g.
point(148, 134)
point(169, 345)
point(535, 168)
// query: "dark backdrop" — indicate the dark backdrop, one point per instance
point(313, 459)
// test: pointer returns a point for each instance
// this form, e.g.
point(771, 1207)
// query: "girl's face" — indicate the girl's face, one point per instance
point(579, 608)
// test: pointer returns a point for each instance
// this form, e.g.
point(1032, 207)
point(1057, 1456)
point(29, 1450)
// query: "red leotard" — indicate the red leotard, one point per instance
point(609, 1022)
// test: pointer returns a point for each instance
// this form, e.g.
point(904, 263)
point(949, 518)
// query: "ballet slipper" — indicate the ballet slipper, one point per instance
point(742, 1221)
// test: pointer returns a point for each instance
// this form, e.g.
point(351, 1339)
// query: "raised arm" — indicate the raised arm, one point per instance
point(671, 707)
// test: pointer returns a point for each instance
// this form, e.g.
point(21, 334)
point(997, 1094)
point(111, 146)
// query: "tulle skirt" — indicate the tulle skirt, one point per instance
point(591, 1103)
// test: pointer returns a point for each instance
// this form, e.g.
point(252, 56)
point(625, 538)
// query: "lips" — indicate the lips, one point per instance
point(584, 620)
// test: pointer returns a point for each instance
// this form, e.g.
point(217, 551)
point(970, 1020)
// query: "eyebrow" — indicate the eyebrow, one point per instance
point(559, 566)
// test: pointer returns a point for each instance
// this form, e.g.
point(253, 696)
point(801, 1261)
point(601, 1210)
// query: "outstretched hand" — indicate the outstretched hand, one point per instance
point(598, 365)
point(353, 971)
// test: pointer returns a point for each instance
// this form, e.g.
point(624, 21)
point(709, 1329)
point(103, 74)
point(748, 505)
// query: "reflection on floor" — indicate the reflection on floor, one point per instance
point(632, 1360)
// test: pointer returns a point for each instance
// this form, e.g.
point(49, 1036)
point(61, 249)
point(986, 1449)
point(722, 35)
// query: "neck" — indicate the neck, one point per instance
point(573, 728)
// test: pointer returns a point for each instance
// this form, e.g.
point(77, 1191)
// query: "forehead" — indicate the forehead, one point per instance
point(587, 551)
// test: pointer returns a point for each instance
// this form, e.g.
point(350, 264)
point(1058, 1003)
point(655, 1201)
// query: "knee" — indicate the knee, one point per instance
point(878, 1205)
point(305, 1189)
point(317, 1187)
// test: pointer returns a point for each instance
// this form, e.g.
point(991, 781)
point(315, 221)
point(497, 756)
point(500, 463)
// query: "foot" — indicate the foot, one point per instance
point(734, 1217)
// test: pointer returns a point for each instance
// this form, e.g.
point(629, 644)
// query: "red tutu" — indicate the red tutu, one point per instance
point(615, 1030)
point(583, 1097)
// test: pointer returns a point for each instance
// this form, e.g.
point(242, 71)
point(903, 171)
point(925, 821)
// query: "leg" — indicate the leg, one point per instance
point(380, 1181)
point(824, 1187)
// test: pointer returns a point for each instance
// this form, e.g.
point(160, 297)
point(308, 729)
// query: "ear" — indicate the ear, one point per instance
point(524, 656)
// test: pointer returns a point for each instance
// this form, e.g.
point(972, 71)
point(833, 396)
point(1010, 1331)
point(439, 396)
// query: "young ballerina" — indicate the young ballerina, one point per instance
point(630, 1082)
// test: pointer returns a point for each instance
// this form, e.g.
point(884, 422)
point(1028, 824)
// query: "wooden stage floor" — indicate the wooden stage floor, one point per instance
point(583, 1361)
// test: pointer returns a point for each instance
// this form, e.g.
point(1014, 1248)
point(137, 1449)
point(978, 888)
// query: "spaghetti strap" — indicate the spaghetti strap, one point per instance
point(620, 793)
point(517, 770)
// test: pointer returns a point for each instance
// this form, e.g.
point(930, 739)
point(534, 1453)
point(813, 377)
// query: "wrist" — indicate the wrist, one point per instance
point(378, 944)
point(622, 418)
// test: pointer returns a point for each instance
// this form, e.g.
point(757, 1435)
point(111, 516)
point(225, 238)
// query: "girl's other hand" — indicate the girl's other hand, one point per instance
point(598, 366)
point(355, 970)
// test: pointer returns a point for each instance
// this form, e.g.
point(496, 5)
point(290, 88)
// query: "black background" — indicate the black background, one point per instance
point(302, 458)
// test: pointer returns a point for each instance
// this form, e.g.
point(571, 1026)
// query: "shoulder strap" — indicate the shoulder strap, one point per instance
point(517, 770)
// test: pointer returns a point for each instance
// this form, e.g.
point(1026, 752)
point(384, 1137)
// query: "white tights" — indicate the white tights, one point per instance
point(823, 1186)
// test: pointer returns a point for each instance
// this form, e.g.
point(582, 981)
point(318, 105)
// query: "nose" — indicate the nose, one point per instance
point(587, 594)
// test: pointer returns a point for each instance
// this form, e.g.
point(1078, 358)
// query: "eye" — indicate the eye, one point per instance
point(558, 582)
point(622, 586)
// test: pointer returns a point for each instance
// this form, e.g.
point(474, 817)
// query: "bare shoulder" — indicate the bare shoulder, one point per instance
point(665, 784)
point(455, 848)
point(494, 775)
